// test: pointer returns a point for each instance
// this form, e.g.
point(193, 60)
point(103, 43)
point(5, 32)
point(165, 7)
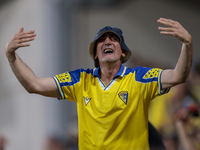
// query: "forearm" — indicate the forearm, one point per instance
point(180, 73)
point(183, 66)
point(183, 137)
point(23, 73)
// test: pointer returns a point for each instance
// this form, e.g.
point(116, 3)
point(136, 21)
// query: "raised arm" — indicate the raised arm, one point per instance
point(43, 86)
point(180, 73)
point(181, 121)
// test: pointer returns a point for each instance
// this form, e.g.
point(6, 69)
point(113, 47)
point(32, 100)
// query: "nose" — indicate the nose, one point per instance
point(107, 41)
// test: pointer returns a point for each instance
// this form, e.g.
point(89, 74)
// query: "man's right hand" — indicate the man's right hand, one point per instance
point(42, 86)
point(19, 40)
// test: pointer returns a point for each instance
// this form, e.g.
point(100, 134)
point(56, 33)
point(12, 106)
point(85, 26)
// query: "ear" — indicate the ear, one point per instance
point(95, 51)
point(123, 53)
point(95, 57)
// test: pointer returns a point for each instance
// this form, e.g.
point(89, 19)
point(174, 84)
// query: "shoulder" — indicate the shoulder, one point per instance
point(137, 70)
point(81, 70)
point(73, 76)
point(76, 74)
point(144, 74)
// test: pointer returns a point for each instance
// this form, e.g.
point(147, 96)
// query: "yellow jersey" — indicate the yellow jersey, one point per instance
point(113, 116)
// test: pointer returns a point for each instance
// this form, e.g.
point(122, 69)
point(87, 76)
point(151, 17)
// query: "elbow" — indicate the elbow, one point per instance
point(182, 76)
point(31, 89)
point(182, 79)
point(175, 82)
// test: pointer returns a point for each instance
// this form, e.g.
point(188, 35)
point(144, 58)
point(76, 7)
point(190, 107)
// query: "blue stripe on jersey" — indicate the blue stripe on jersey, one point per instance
point(62, 95)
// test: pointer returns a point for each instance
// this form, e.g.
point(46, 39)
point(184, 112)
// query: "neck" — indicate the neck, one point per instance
point(108, 71)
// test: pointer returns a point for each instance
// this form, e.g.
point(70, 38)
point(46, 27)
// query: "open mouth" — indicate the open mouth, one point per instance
point(108, 51)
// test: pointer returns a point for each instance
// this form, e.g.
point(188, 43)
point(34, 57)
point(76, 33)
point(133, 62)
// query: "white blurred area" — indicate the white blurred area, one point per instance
point(64, 30)
point(26, 120)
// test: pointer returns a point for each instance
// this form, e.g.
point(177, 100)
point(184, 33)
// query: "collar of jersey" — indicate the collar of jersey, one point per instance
point(119, 73)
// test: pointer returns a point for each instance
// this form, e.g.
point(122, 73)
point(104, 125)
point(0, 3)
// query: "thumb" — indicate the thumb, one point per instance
point(21, 29)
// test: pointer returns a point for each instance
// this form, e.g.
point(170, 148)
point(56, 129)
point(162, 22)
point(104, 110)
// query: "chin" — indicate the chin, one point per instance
point(110, 61)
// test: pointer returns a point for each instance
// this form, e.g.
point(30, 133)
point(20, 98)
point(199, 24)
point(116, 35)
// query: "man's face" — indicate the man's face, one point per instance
point(108, 48)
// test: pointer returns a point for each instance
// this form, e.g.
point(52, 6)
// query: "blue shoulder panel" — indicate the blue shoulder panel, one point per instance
point(144, 74)
point(73, 77)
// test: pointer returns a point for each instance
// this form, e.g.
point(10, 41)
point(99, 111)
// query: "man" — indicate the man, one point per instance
point(112, 100)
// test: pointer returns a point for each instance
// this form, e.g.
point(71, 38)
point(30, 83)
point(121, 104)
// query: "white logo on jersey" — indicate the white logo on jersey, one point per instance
point(123, 95)
point(86, 99)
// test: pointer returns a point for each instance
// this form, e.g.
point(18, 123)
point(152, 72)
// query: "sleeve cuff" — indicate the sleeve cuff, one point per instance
point(62, 95)
point(160, 91)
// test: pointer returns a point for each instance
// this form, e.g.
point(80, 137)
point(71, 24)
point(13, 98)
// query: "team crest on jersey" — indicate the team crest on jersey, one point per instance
point(87, 100)
point(123, 95)
point(152, 73)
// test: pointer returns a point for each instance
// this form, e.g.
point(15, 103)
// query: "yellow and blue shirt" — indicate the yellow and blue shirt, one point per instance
point(113, 116)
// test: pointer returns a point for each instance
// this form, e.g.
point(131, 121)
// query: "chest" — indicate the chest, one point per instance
point(117, 95)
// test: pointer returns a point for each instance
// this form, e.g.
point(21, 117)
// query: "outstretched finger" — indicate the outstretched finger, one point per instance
point(166, 29)
point(23, 45)
point(27, 35)
point(24, 40)
point(30, 32)
point(21, 30)
point(166, 22)
point(168, 33)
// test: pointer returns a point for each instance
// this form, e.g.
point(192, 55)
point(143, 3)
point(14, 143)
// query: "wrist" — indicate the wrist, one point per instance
point(11, 56)
point(188, 41)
